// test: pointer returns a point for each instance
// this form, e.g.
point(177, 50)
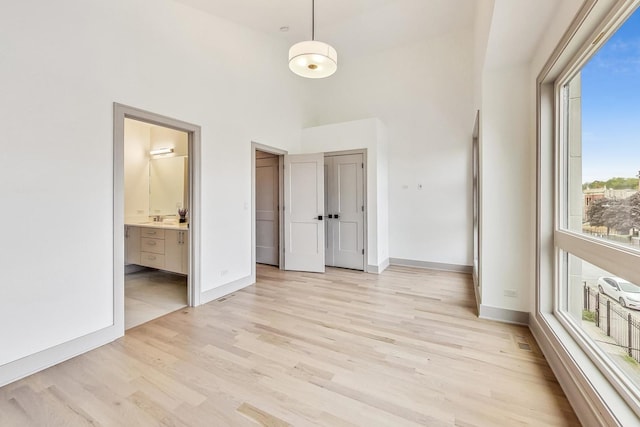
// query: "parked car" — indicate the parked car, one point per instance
point(626, 293)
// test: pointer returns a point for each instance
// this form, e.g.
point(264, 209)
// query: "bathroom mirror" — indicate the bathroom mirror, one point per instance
point(168, 180)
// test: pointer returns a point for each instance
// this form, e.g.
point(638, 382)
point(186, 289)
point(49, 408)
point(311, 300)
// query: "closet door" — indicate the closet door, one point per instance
point(304, 212)
point(345, 214)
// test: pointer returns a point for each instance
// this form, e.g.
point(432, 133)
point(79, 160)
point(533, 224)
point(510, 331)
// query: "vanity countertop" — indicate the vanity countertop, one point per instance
point(160, 224)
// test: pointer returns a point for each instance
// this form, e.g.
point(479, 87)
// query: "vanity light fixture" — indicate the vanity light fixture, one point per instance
point(161, 151)
point(313, 59)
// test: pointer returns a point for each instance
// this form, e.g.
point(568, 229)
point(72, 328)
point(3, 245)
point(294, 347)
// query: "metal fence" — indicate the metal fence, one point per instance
point(616, 322)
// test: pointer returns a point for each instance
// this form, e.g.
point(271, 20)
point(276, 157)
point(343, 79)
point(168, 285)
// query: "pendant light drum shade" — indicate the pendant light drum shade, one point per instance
point(313, 59)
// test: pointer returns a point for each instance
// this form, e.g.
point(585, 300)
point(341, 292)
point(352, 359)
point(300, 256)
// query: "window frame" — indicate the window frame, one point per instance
point(607, 389)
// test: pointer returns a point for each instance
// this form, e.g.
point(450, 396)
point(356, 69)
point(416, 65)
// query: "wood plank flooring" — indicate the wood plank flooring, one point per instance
point(344, 348)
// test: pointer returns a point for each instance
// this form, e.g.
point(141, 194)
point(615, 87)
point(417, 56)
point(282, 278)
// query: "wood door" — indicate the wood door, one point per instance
point(304, 212)
point(267, 229)
point(345, 214)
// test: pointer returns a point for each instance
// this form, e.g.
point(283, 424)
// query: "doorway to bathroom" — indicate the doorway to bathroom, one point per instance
point(156, 193)
point(155, 215)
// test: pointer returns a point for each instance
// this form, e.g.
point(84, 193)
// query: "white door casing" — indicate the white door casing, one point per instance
point(328, 229)
point(267, 233)
point(304, 212)
point(345, 211)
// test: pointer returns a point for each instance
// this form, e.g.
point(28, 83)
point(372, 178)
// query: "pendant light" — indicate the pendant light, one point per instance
point(313, 59)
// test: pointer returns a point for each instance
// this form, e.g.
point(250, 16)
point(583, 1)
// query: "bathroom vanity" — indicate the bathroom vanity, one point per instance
point(164, 246)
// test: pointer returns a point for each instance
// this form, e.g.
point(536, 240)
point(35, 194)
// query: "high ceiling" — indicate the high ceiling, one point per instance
point(361, 27)
point(353, 27)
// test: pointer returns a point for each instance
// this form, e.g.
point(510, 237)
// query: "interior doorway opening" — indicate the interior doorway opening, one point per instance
point(267, 212)
point(156, 215)
point(156, 193)
point(267, 204)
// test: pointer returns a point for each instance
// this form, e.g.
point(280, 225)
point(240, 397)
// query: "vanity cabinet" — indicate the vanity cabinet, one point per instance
point(156, 247)
point(152, 247)
point(176, 251)
point(131, 245)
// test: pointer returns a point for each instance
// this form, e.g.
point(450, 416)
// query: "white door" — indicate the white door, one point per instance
point(267, 233)
point(304, 212)
point(345, 211)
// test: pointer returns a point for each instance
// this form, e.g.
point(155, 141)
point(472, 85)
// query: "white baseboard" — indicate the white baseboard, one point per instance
point(36, 362)
point(377, 269)
point(226, 289)
point(503, 315)
point(431, 265)
point(580, 378)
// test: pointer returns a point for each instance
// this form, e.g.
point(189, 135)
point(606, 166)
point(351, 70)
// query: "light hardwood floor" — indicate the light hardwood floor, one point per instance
point(338, 349)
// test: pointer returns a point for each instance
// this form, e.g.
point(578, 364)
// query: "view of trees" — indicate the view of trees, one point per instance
point(613, 183)
point(620, 215)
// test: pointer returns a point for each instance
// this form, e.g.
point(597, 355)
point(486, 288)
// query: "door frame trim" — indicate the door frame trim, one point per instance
point(365, 200)
point(256, 146)
point(121, 112)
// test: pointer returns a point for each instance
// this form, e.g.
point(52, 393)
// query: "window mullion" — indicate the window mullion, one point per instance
point(615, 259)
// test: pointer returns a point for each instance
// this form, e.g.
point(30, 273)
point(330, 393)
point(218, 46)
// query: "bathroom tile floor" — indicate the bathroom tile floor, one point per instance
point(150, 294)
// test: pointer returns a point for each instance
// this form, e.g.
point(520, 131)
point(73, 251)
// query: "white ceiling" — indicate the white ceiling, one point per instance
point(516, 28)
point(361, 27)
point(353, 27)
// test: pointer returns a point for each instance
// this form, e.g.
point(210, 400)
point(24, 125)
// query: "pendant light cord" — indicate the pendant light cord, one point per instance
point(313, 19)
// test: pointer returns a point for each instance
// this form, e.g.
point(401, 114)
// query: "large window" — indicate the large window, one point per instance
point(592, 221)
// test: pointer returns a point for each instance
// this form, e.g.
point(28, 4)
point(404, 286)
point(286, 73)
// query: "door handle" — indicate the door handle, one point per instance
point(319, 217)
point(336, 216)
point(330, 216)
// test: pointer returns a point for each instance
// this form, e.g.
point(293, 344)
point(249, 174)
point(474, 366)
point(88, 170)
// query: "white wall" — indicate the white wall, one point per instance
point(366, 134)
point(508, 205)
point(482, 27)
point(423, 93)
point(383, 196)
point(508, 143)
point(65, 63)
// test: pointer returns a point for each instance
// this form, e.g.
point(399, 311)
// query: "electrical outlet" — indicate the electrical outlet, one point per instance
point(224, 272)
point(510, 293)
